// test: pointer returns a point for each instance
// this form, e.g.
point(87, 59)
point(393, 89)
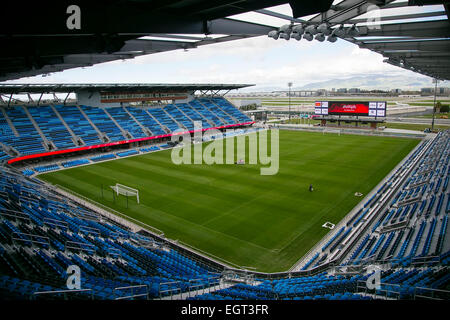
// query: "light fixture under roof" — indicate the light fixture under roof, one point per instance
point(273, 34)
point(324, 28)
point(320, 37)
point(312, 29)
point(353, 31)
point(296, 36)
point(285, 36)
point(308, 36)
point(332, 38)
point(298, 29)
point(338, 32)
point(287, 28)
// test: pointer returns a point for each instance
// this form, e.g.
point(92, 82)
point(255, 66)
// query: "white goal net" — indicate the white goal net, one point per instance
point(329, 130)
point(126, 191)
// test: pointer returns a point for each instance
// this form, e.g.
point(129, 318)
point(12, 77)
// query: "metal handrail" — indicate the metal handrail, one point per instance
point(89, 249)
point(31, 236)
point(55, 222)
point(89, 230)
point(386, 290)
point(63, 291)
point(172, 290)
point(146, 294)
point(25, 215)
point(433, 291)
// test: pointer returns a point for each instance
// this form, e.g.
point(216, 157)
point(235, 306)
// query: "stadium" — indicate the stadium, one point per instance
point(94, 207)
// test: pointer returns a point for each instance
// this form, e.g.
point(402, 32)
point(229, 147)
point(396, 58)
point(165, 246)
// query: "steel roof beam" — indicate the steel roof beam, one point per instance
point(281, 16)
point(428, 54)
point(433, 45)
point(403, 17)
point(345, 11)
point(435, 29)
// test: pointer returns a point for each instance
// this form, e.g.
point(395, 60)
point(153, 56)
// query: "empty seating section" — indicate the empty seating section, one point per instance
point(142, 116)
point(396, 283)
point(79, 124)
point(3, 156)
point(127, 153)
point(43, 169)
point(230, 109)
point(74, 163)
point(52, 127)
point(411, 228)
point(149, 149)
point(5, 129)
point(200, 108)
point(194, 115)
point(53, 233)
point(216, 110)
point(163, 118)
point(179, 116)
point(103, 157)
point(28, 172)
point(29, 141)
point(103, 123)
point(126, 122)
point(6, 135)
point(211, 112)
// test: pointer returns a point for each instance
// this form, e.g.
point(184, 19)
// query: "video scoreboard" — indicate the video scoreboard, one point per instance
point(351, 108)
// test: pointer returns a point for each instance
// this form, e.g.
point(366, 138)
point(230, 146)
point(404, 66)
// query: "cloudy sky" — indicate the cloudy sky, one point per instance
point(261, 61)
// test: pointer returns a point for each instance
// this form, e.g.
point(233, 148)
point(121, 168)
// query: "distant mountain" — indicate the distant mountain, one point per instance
point(374, 82)
point(368, 82)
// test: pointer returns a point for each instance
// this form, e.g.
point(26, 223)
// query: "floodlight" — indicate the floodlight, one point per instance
point(286, 36)
point(296, 36)
point(273, 34)
point(298, 29)
point(353, 31)
point(320, 37)
point(311, 29)
point(324, 28)
point(287, 28)
point(332, 38)
point(308, 36)
point(338, 32)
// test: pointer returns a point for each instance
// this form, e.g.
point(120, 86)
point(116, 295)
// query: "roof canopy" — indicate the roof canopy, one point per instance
point(35, 37)
point(417, 40)
point(68, 88)
point(413, 35)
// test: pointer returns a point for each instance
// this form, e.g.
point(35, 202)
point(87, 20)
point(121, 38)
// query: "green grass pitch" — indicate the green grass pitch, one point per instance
point(233, 212)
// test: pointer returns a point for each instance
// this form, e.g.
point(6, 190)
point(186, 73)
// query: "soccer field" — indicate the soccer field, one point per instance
point(233, 212)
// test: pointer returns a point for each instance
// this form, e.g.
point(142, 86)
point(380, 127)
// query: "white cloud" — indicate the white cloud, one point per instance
point(262, 61)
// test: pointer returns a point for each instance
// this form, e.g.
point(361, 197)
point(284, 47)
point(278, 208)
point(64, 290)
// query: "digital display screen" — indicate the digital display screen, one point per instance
point(351, 108)
point(348, 108)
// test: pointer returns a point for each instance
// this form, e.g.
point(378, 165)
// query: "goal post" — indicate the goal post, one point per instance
point(330, 130)
point(126, 191)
